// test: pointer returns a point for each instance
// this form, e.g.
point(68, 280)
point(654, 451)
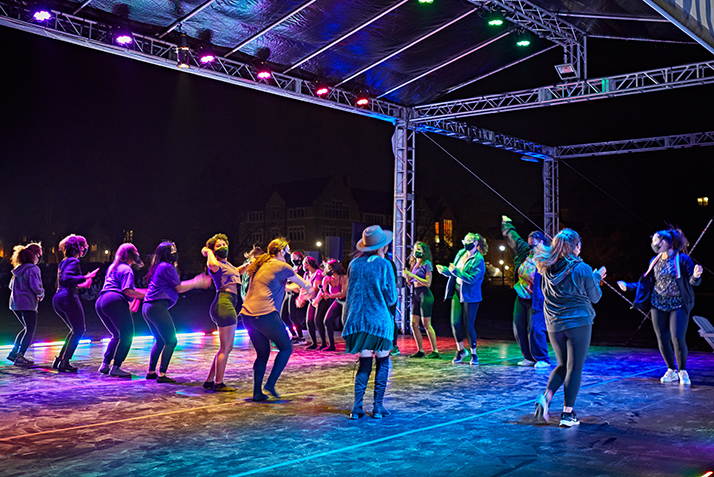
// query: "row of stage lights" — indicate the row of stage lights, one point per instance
point(122, 36)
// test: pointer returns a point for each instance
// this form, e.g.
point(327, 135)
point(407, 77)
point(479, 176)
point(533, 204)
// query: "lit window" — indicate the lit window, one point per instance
point(703, 201)
point(448, 233)
point(437, 237)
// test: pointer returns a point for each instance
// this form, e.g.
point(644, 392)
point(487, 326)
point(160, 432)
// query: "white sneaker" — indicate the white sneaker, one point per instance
point(542, 364)
point(684, 378)
point(669, 377)
point(526, 362)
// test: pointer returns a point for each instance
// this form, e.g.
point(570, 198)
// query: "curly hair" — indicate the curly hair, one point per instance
point(211, 242)
point(274, 248)
point(480, 241)
point(25, 254)
point(426, 254)
point(72, 245)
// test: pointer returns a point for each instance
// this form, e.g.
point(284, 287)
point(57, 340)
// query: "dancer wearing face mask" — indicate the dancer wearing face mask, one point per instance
point(294, 316)
point(114, 311)
point(226, 279)
point(422, 299)
point(464, 290)
point(164, 288)
point(269, 275)
point(66, 301)
point(334, 291)
point(528, 320)
point(570, 287)
point(26, 291)
point(313, 275)
point(666, 290)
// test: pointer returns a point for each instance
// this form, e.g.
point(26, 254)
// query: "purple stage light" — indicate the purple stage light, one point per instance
point(207, 59)
point(123, 40)
point(322, 90)
point(41, 15)
point(264, 74)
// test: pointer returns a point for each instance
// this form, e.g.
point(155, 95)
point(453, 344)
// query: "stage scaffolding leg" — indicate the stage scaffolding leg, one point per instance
point(403, 146)
point(551, 197)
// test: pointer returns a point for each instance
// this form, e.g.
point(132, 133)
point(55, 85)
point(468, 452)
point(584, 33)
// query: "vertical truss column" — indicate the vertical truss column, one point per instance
point(403, 146)
point(576, 54)
point(551, 197)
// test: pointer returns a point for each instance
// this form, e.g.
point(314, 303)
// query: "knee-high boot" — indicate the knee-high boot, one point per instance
point(361, 379)
point(380, 386)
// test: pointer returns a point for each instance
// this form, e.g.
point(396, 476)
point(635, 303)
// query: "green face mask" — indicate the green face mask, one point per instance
point(221, 252)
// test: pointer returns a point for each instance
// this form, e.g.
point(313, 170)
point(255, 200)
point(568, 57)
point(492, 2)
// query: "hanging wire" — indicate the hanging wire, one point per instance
point(484, 183)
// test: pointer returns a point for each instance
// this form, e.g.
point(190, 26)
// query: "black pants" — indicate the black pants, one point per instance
point(292, 316)
point(332, 317)
point(157, 316)
point(67, 305)
point(262, 330)
point(671, 329)
point(113, 310)
point(23, 340)
point(571, 348)
point(529, 331)
point(463, 320)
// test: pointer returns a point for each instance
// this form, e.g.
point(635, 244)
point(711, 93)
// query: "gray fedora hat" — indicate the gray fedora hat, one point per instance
point(374, 238)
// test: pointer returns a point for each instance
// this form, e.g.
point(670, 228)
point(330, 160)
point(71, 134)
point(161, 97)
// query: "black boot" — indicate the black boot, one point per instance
point(361, 379)
point(380, 386)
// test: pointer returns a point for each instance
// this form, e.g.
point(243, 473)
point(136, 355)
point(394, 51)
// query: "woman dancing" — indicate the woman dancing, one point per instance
point(66, 301)
point(422, 298)
point(26, 291)
point(313, 275)
point(164, 288)
point(570, 287)
point(226, 279)
point(114, 310)
point(666, 289)
point(292, 315)
point(369, 325)
point(334, 291)
point(528, 323)
point(464, 289)
point(269, 274)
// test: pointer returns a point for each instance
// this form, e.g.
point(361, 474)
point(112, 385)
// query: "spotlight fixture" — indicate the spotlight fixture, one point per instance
point(206, 56)
point(264, 72)
point(321, 90)
point(566, 71)
point(361, 98)
point(523, 38)
point(495, 18)
point(122, 35)
point(426, 2)
point(40, 12)
point(182, 52)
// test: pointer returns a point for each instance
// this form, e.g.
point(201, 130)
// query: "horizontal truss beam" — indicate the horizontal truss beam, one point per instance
point(586, 90)
point(649, 144)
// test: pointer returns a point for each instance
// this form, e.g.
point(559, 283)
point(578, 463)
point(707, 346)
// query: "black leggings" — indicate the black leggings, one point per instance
point(262, 330)
point(571, 348)
point(671, 329)
point(332, 317)
point(422, 301)
point(28, 320)
point(290, 314)
point(316, 321)
point(157, 316)
point(113, 309)
point(463, 320)
point(68, 307)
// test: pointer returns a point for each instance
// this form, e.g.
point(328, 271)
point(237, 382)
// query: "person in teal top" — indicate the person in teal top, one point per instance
point(369, 325)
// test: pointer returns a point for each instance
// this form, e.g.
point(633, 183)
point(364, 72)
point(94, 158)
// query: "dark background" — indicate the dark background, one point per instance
point(90, 138)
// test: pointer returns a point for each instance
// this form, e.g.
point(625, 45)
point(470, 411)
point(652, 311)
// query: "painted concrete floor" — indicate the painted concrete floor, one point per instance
point(447, 420)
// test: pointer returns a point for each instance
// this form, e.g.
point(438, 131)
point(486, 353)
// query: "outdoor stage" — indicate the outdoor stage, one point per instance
point(446, 419)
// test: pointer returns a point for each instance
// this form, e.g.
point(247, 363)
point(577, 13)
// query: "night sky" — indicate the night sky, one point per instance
point(89, 137)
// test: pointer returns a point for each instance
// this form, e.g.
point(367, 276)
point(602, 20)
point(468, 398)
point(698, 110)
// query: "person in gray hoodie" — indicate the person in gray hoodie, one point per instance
point(570, 287)
point(26, 291)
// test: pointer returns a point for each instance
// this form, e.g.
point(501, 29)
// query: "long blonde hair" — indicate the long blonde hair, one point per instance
point(563, 246)
point(274, 248)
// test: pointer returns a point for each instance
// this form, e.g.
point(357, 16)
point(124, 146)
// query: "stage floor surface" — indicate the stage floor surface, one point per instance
point(447, 419)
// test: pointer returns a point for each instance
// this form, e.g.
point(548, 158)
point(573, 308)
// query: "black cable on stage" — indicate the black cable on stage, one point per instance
point(608, 195)
point(484, 183)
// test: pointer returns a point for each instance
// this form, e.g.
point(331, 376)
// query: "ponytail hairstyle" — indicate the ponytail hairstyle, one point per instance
point(72, 245)
point(23, 254)
point(126, 252)
point(563, 246)
point(675, 238)
point(274, 248)
point(162, 254)
point(426, 254)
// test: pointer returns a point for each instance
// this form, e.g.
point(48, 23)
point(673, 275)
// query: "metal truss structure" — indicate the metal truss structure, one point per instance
point(648, 144)
point(551, 197)
point(587, 90)
point(404, 147)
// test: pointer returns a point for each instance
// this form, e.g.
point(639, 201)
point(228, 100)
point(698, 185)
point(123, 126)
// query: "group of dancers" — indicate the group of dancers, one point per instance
point(555, 293)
